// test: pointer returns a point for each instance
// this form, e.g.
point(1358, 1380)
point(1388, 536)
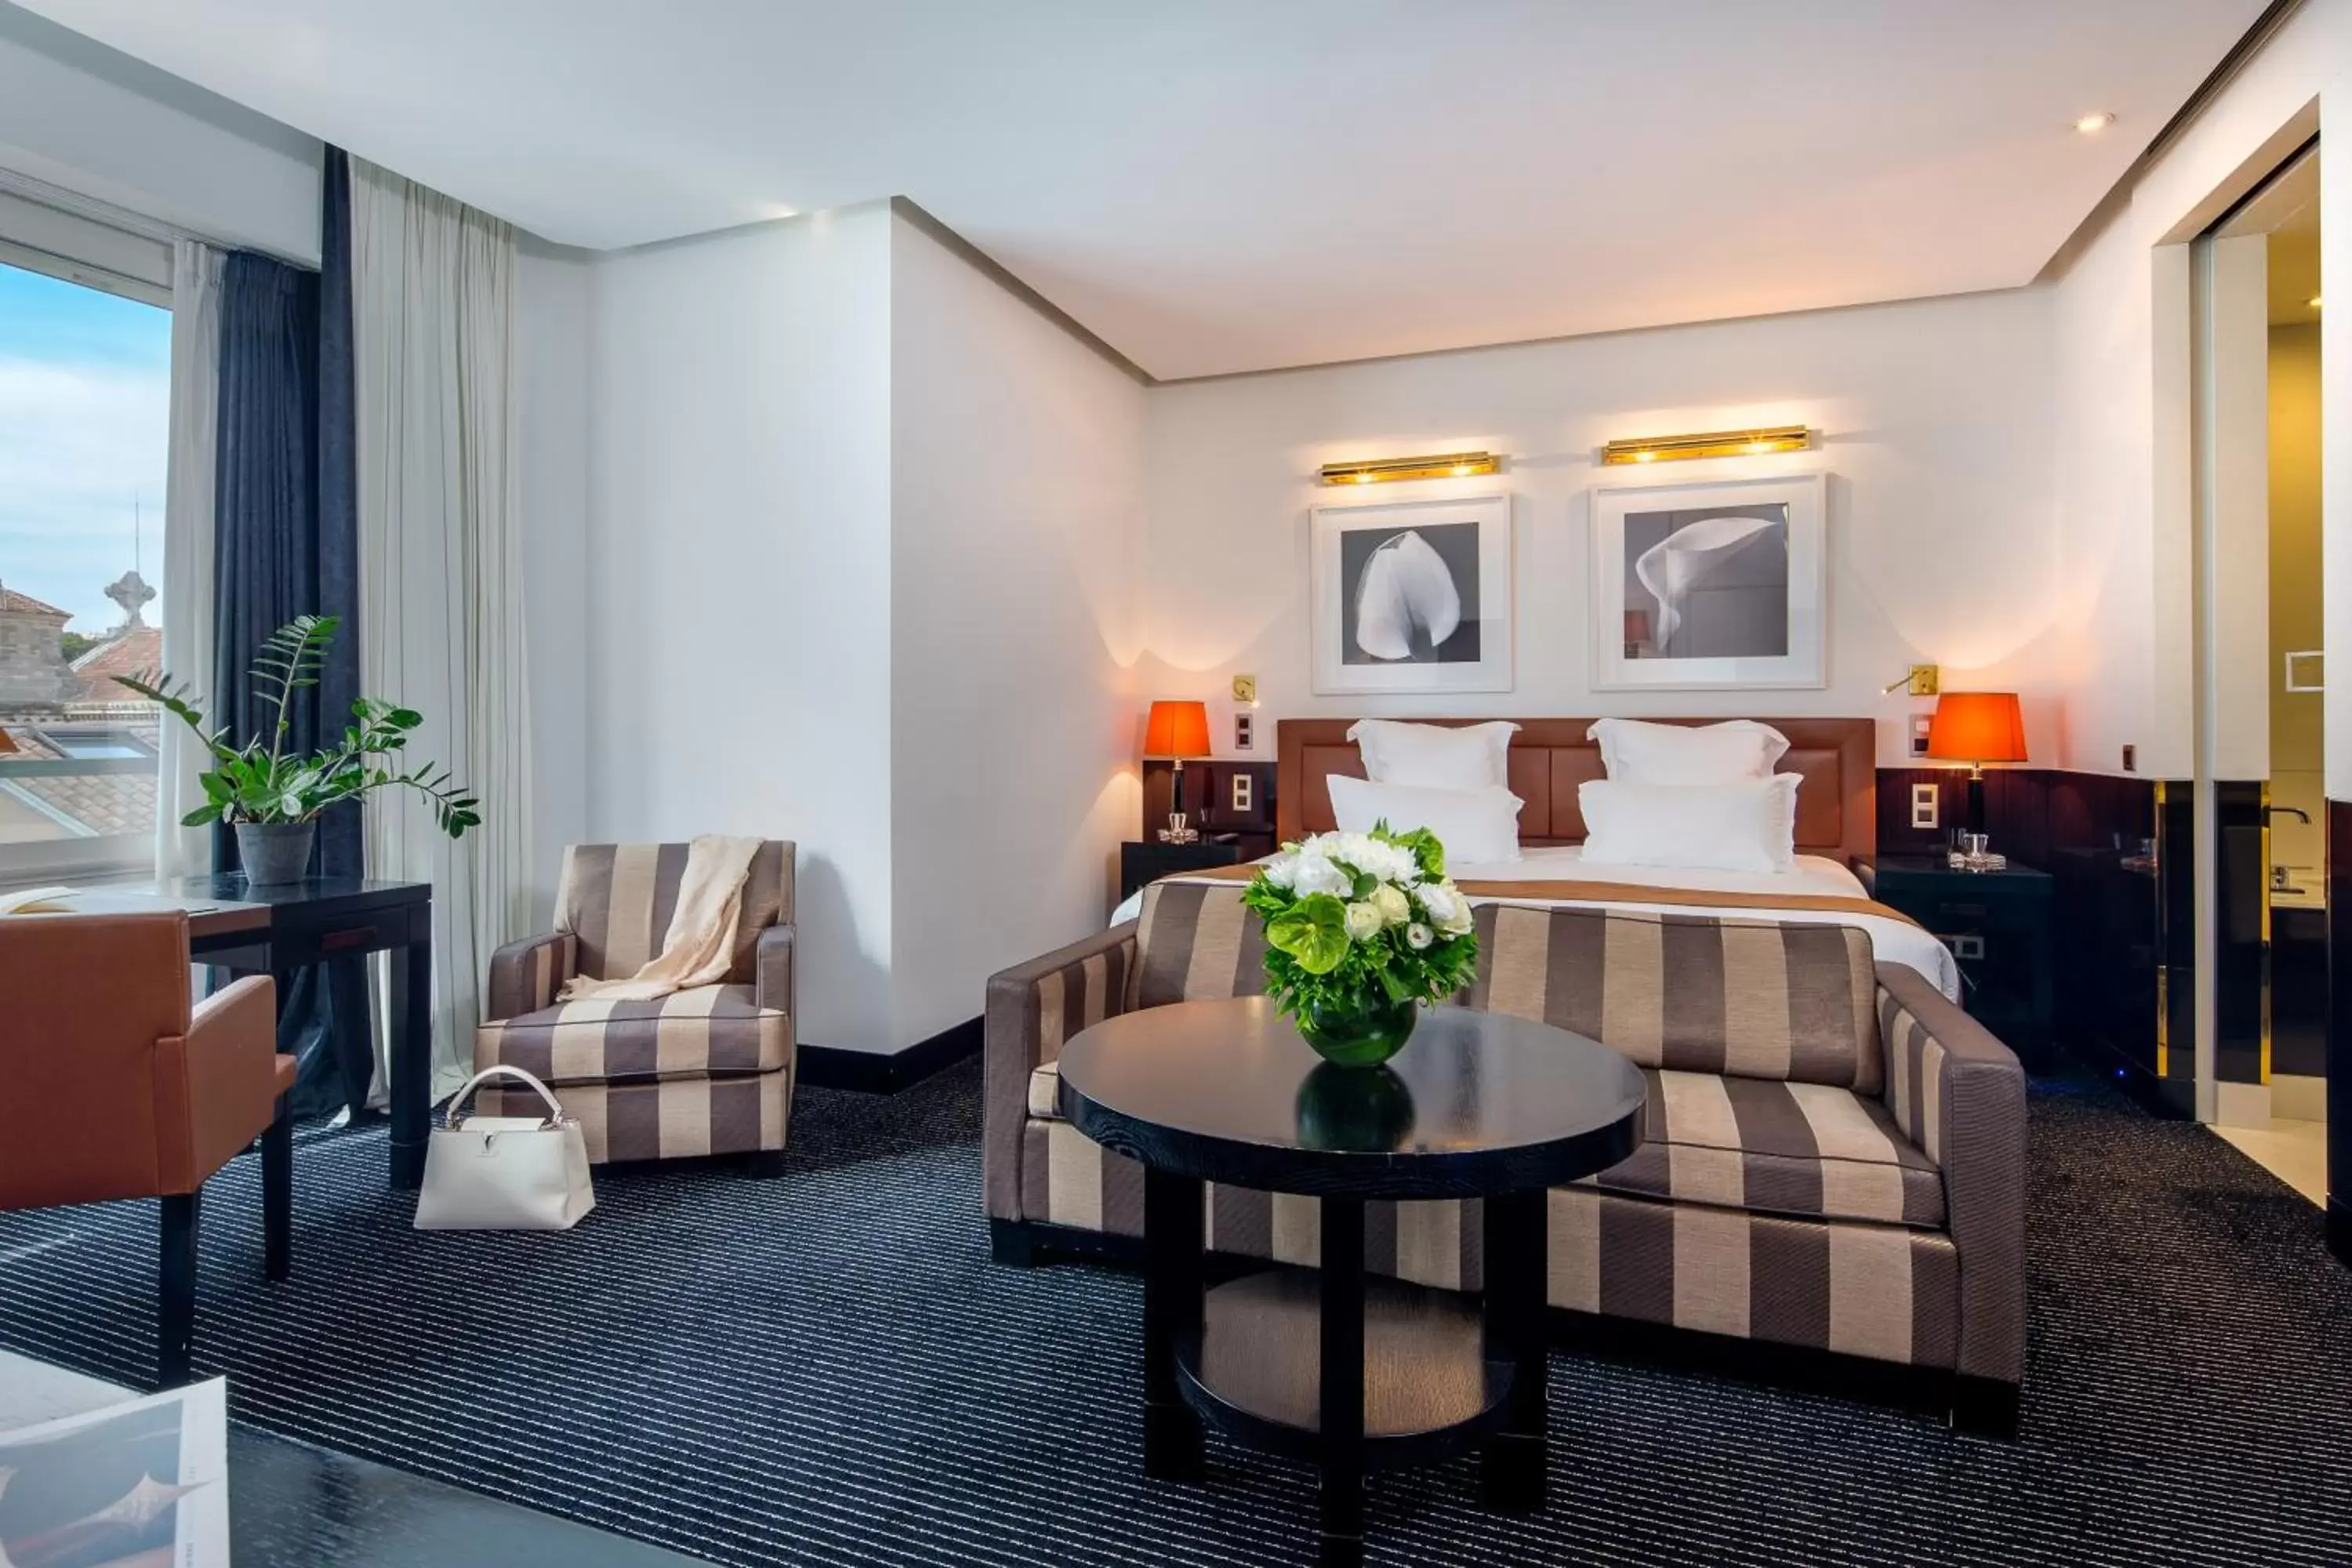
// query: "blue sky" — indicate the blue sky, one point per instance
point(85, 419)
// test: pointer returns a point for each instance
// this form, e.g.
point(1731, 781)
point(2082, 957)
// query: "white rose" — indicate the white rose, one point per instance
point(1316, 875)
point(1418, 936)
point(1446, 908)
point(1283, 869)
point(1363, 921)
point(1390, 902)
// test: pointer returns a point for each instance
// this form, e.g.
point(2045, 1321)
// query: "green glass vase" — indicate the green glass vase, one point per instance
point(1363, 1032)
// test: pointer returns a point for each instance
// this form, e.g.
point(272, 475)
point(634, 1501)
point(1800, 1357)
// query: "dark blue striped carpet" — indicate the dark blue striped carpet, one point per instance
point(825, 1368)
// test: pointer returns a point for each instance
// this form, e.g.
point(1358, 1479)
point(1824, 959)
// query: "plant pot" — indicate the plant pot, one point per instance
point(275, 853)
point(1363, 1033)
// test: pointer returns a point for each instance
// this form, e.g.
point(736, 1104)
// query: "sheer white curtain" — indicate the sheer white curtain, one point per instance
point(188, 491)
point(441, 590)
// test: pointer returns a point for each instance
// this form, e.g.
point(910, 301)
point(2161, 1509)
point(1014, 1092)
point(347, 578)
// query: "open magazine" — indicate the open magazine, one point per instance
point(37, 902)
point(141, 1484)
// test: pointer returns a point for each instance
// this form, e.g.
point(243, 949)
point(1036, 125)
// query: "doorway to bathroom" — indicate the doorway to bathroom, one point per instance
point(2257, 277)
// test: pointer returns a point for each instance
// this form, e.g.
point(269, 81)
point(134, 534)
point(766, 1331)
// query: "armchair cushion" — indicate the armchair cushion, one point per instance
point(1812, 1150)
point(617, 900)
point(1691, 992)
point(1196, 943)
point(708, 1031)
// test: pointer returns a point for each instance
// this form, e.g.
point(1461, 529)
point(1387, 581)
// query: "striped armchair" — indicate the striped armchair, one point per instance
point(1834, 1154)
point(706, 1070)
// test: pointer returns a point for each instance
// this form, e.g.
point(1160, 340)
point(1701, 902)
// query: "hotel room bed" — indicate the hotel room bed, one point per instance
point(1837, 827)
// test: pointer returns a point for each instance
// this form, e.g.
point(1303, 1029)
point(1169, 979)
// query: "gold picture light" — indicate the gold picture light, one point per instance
point(1713, 444)
point(1445, 465)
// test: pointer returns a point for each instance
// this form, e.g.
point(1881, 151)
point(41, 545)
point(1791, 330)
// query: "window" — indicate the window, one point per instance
point(85, 401)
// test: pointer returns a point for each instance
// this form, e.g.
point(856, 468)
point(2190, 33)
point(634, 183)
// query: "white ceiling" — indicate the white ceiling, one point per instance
point(1232, 185)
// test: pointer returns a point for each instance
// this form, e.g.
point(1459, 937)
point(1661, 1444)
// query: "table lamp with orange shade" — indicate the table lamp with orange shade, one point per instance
point(1977, 727)
point(1177, 730)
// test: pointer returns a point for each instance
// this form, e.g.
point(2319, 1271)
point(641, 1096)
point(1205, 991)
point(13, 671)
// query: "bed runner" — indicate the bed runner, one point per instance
point(1584, 892)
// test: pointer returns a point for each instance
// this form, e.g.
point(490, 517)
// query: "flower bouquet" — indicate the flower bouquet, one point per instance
point(1361, 928)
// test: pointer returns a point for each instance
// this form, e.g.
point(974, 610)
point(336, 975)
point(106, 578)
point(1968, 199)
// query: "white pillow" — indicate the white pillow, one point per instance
point(1477, 826)
point(1434, 756)
point(1750, 826)
point(1640, 752)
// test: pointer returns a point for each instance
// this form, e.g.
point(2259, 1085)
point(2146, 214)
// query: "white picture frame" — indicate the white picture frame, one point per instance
point(1375, 598)
point(1730, 612)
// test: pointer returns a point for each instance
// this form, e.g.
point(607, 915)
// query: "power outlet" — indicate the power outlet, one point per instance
point(1244, 732)
point(1924, 798)
point(2131, 759)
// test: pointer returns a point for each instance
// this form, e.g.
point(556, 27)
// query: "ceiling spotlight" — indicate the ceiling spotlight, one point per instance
point(2091, 124)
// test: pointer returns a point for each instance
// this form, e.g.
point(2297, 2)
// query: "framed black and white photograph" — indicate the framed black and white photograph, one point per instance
point(1720, 586)
point(1415, 597)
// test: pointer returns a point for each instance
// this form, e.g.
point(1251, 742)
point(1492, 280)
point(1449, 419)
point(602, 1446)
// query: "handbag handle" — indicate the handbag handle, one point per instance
point(555, 1107)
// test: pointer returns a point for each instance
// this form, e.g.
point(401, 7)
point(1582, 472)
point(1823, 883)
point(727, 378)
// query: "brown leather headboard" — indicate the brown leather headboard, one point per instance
point(1837, 805)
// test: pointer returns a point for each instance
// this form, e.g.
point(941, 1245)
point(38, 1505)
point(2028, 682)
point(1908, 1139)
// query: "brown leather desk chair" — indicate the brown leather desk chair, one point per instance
point(113, 1087)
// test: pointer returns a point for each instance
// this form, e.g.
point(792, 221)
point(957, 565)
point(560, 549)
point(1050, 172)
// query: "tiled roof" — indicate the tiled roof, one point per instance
point(103, 803)
point(139, 651)
point(12, 602)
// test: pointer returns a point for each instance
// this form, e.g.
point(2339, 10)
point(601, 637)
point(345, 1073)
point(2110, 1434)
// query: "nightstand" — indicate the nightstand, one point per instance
point(2001, 926)
point(1149, 861)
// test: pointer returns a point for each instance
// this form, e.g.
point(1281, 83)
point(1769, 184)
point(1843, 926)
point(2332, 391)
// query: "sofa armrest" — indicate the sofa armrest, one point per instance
point(229, 1058)
point(1959, 1095)
point(771, 969)
point(525, 975)
point(1033, 1007)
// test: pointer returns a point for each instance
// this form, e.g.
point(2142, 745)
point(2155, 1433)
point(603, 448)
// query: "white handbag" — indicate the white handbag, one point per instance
point(504, 1173)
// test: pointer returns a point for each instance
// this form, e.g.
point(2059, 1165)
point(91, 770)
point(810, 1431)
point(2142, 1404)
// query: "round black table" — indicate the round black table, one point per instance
point(1325, 1366)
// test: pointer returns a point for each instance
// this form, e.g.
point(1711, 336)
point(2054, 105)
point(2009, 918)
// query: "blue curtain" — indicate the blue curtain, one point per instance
point(287, 544)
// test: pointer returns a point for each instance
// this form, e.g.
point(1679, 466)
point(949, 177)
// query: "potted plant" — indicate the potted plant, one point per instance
point(1362, 929)
point(272, 796)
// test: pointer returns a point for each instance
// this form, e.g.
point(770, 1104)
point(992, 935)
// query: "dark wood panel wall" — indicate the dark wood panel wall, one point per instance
point(1209, 798)
point(2120, 851)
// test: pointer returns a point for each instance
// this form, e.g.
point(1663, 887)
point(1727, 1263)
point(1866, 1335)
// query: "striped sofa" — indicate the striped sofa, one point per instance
point(1835, 1154)
point(706, 1070)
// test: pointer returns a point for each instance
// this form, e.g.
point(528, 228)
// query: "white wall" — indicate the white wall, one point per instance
point(1932, 420)
point(738, 573)
point(79, 115)
point(1017, 517)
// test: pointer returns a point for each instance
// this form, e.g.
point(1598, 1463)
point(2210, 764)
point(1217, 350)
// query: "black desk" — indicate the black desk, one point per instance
point(1325, 1366)
point(276, 931)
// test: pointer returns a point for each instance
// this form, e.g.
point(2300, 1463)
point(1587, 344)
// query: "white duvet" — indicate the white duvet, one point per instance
point(1891, 940)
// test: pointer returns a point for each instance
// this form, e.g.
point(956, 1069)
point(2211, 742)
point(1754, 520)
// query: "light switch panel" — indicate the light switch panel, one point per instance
point(1244, 732)
point(1924, 798)
point(1244, 792)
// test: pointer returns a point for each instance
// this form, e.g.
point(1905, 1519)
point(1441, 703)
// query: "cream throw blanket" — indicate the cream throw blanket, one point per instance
point(699, 947)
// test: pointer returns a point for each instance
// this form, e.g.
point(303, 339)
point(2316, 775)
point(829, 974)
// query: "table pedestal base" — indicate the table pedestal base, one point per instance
point(1349, 1374)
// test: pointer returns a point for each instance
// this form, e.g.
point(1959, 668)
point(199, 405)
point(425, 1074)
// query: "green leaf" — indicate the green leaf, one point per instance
point(1313, 931)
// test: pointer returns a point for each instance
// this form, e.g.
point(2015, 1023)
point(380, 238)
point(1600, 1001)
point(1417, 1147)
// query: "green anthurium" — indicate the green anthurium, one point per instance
point(1313, 931)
